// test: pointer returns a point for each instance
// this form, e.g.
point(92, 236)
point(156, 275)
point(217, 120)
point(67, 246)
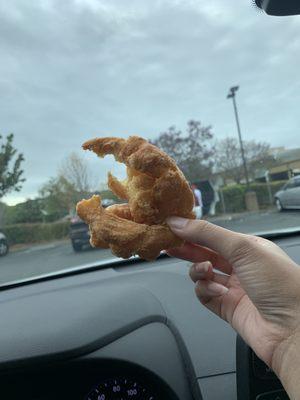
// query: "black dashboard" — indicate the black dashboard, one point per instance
point(125, 332)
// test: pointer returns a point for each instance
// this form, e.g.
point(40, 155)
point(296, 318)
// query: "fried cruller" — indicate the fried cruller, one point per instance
point(154, 190)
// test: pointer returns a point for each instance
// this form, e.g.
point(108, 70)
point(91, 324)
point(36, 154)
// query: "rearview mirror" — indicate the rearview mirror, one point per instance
point(279, 7)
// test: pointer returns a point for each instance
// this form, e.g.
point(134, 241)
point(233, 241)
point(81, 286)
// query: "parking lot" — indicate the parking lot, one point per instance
point(55, 256)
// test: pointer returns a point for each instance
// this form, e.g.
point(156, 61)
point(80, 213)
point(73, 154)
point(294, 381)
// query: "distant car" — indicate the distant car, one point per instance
point(79, 230)
point(289, 196)
point(3, 245)
point(79, 234)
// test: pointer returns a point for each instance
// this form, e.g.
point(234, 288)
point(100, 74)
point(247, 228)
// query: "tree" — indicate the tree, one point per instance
point(258, 156)
point(28, 211)
point(10, 166)
point(75, 170)
point(3, 209)
point(193, 150)
point(228, 159)
point(59, 197)
point(61, 193)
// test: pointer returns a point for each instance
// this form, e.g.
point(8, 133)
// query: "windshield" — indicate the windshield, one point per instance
point(212, 83)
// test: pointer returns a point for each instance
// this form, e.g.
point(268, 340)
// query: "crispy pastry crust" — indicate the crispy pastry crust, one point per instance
point(155, 189)
point(123, 236)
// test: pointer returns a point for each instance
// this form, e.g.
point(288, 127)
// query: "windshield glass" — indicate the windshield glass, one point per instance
point(212, 83)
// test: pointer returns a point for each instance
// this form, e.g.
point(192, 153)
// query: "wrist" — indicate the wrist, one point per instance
point(286, 365)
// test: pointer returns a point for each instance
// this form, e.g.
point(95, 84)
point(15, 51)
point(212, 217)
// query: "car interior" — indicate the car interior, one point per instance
point(98, 332)
point(113, 331)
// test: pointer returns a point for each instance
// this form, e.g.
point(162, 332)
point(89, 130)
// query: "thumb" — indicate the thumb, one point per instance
point(221, 240)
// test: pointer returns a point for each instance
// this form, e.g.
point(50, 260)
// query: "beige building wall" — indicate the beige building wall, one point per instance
point(293, 165)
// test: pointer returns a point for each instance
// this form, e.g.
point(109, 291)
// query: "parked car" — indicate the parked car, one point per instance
point(289, 195)
point(79, 230)
point(3, 244)
point(79, 234)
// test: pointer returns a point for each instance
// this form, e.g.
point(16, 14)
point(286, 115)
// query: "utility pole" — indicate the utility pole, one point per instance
point(231, 95)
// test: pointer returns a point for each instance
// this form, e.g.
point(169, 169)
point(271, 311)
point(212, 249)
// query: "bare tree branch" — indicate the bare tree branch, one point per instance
point(228, 160)
point(75, 170)
point(193, 150)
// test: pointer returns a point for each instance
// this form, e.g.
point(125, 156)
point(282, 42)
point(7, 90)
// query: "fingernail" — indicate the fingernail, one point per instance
point(204, 267)
point(201, 275)
point(177, 222)
point(215, 289)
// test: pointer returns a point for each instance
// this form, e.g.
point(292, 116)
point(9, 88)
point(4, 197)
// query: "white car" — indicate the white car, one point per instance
point(289, 195)
point(3, 245)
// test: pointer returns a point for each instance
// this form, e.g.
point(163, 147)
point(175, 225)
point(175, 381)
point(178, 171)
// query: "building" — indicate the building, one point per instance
point(286, 164)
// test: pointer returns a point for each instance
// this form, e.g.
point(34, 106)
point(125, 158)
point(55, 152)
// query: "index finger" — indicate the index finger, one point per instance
point(220, 240)
point(195, 253)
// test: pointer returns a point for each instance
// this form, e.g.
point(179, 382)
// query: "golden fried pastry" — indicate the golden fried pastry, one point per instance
point(123, 236)
point(155, 189)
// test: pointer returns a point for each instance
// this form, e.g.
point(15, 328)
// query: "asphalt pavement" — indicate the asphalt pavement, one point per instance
point(42, 259)
point(55, 256)
point(255, 223)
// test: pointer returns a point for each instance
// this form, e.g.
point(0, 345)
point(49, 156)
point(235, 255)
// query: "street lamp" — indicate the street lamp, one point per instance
point(231, 95)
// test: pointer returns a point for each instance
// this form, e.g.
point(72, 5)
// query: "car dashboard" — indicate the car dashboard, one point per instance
point(133, 331)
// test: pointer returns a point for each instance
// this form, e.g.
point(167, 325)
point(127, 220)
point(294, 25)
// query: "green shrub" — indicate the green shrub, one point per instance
point(27, 212)
point(32, 233)
point(234, 196)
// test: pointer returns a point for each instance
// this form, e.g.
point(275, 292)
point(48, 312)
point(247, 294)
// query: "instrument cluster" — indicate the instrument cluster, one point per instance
point(88, 380)
point(120, 388)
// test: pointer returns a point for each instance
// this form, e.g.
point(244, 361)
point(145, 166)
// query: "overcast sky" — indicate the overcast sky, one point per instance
point(73, 70)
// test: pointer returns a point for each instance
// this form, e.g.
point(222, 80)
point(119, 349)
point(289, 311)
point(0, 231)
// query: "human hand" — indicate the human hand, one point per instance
point(250, 283)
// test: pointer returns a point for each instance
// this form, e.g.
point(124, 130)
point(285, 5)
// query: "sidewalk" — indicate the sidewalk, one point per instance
point(241, 215)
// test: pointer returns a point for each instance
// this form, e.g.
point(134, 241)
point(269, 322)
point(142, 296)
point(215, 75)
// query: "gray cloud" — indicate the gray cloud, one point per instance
point(76, 69)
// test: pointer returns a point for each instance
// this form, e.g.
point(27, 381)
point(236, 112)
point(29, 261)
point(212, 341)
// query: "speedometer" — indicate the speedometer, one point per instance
point(120, 389)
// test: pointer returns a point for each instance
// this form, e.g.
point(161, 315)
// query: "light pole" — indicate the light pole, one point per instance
point(231, 95)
